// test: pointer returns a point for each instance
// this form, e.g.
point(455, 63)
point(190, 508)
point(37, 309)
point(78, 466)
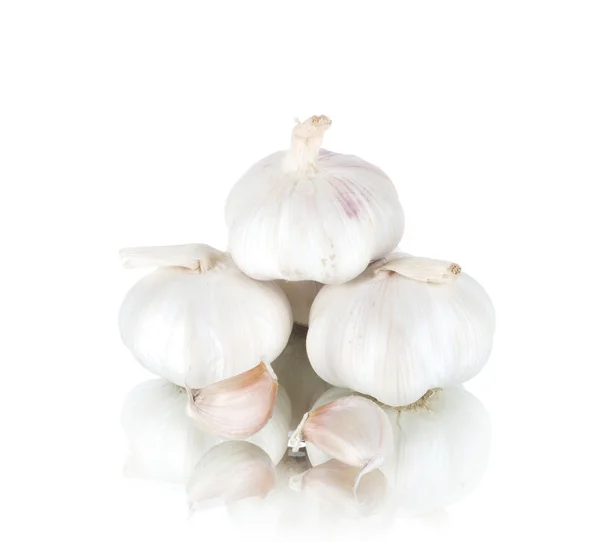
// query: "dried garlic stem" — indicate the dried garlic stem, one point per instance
point(307, 138)
point(195, 257)
point(422, 269)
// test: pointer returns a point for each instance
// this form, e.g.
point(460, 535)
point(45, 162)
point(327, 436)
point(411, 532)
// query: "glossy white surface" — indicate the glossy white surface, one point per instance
point(125, 123)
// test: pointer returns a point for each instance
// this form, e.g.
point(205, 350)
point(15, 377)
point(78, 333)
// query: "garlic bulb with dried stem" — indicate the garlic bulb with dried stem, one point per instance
point(165, 443)
point(406, 325)
point(198, 319)
point(236, 407)
point(311, 214)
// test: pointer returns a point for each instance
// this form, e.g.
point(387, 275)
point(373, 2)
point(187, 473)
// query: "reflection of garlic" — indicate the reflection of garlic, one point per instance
point(297, 376)
point(230, 472)
point(165, 443)
point(301, 295)
point(441, 448)
point(333, 485)
point(406, 325)
point(307, 214)
point(238, 406)
point(198, 319)
point(352, 429)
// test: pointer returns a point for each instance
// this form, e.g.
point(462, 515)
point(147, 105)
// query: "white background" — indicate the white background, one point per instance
point(127, 122)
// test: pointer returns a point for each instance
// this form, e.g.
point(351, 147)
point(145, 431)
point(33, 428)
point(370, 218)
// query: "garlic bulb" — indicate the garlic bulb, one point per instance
point(353, 430)
point(406, 325)
point(238, 406)
point(200, 320)
point(333, 485)
point(165, 443)
point(441, 448)
point(301, 295)
point(297, 376)
point(310, 214)
point(230, 472)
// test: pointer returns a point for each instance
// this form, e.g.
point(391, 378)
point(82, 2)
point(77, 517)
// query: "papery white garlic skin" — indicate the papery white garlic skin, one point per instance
point(306, 214)
point(301, 295)
point(297, 376)
point(353, 430)
point(394, 338)
point(229, 472)
point(236, 407)
point(201, 320)
point(165, 443)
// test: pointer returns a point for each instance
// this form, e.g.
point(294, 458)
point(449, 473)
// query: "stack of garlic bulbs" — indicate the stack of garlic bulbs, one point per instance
point(311, 260)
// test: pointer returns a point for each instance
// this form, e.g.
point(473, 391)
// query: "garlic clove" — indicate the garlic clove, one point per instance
point(238, 406)
point(334, 485)
point(229, 472)
point(353, 430)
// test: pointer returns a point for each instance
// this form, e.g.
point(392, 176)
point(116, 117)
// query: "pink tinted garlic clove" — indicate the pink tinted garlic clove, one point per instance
point(238, 406)
point(230, 472)
point(353, 430)
point(334, 484)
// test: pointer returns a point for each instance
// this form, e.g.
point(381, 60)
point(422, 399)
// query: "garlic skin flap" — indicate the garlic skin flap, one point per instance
point(238, 406)
point(404, 326)
point(353, 430)
point(198, 319)
point(165, 444)
point(311, 214)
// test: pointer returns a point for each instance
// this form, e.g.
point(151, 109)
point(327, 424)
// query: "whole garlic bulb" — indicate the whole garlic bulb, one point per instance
point(310, 214)
point(165, 443)
point(198, 319)
point(301, 295)
point(405, 326)
point(441, 448)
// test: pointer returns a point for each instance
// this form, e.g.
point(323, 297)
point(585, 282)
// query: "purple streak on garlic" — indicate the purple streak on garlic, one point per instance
point(238, 406)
